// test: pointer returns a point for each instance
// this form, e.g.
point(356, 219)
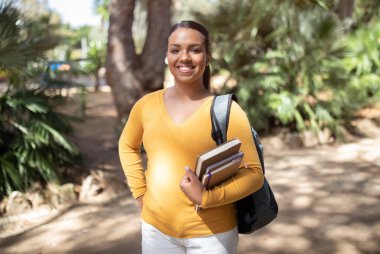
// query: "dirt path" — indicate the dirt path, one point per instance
point(328, 198)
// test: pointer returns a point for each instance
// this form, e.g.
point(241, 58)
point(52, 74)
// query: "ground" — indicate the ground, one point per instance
point(328, 200)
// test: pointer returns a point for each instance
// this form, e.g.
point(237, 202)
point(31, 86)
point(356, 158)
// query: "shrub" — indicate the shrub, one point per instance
point(33, 145)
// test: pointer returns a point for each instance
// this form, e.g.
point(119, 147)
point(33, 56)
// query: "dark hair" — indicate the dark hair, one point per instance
point(200, 28)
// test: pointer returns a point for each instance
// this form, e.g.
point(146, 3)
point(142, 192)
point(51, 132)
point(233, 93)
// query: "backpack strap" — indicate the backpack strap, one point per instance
point(220, 115)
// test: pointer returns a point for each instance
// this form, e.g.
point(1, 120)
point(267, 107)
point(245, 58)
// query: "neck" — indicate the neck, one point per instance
point(190, 91)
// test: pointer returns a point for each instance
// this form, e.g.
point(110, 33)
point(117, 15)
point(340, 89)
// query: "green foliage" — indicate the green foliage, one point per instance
point(101, 7)
point(302, 69)
point(33, 145)
point(23, 42)
point(33, 142)
point(362, 62)
point(96, 57)
point(292, 62)
point(365, 11)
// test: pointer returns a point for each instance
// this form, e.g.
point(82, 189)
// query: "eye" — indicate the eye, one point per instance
point(174, 51)
point(196, 50)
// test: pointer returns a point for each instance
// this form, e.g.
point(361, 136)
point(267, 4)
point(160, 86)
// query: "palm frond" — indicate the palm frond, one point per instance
point(20, 42)
point(34, 144)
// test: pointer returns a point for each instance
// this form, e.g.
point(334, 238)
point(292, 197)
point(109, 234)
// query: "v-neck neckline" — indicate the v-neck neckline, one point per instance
point(189, 118)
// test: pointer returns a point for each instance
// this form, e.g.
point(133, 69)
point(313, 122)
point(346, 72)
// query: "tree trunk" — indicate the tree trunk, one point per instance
point(131, 75)
point(345, 9)
point(97, 80)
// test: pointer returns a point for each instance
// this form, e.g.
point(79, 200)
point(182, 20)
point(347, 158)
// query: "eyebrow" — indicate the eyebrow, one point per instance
point(179, 45)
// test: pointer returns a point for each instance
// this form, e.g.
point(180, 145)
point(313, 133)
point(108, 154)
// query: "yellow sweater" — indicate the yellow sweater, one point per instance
point(170, 147)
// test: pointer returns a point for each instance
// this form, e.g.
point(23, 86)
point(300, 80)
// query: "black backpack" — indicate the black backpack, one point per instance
point(260, 208)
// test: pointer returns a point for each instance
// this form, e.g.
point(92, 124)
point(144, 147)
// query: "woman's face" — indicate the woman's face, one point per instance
point(187, 56)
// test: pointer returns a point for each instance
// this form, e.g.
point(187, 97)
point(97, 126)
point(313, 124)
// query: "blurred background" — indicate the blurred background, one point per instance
point(307, 73)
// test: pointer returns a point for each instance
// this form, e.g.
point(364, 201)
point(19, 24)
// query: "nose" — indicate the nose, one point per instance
point(184, 55)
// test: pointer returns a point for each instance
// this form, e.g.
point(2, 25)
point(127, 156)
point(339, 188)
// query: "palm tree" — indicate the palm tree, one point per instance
point(22, 42)
point(96, 57)
point(33, 146)
point(101, 7)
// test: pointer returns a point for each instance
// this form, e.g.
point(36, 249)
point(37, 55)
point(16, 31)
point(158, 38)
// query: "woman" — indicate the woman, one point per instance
point(175, 127)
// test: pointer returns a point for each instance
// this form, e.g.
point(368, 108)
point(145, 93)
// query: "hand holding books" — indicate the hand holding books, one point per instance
point(191, 186)
point(218, 164)
point(212, 168)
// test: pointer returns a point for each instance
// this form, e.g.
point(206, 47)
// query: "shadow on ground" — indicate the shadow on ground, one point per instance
point(113, 227)
point(329, 203)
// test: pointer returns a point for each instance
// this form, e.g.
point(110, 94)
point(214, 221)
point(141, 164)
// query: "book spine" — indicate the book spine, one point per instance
point(208, 179)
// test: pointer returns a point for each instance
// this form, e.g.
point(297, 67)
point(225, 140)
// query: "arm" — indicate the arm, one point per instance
point(250, 177)
point(129, 152)
point(140, 202)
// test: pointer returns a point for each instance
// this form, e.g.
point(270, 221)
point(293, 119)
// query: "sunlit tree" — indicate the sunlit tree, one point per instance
point(129, 73)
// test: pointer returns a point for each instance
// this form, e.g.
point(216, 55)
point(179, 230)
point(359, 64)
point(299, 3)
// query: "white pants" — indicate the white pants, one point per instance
point(154, 241)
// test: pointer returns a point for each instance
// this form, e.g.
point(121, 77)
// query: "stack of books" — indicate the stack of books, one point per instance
point(218, 164)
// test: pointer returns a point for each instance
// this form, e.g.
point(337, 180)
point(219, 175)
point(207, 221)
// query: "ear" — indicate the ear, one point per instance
point(208, 59)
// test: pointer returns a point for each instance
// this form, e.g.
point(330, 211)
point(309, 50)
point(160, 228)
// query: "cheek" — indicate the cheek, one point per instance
point(171, 63)
point(202, 61)
point(171, 59)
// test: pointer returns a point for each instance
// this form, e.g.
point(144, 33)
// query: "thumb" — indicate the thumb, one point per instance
point(189, 173)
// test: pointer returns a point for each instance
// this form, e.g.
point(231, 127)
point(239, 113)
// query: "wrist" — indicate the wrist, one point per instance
point(200, 198)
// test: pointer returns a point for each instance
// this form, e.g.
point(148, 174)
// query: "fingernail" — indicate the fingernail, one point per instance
point(187, 168)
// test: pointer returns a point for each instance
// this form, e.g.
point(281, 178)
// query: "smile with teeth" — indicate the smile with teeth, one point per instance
point(185, 68)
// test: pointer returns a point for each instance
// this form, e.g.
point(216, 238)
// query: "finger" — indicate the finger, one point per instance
point(187, 174)
point(193, 177)
point(184, 181)
point(187, 170)
point(190, 173)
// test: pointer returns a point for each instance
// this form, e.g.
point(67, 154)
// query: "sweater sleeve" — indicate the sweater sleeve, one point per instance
point(129, 152)
point(250, 177)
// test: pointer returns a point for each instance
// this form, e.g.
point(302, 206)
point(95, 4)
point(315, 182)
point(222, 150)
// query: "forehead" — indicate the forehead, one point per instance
point(186, 36)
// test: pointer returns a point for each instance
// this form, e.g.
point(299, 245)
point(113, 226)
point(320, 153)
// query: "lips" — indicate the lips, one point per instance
point(185, 69)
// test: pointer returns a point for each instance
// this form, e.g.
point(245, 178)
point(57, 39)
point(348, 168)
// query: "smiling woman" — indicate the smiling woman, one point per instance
point(196, 46)
point(175, 126)
point(187, 56)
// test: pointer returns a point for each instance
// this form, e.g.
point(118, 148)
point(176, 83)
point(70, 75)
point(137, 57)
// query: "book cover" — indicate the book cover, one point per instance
point(216, 155)
point(223, 162)
point(221, 174)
